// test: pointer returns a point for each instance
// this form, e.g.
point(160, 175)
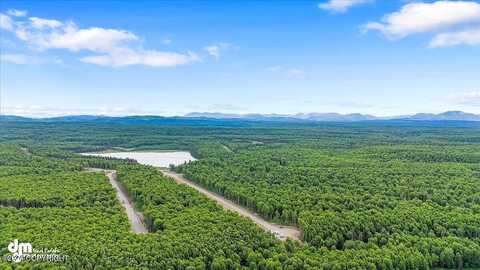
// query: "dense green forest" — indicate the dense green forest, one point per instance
point(386, 195)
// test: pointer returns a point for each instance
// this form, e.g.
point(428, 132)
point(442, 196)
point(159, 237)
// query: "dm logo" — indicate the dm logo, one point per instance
point(18, 249)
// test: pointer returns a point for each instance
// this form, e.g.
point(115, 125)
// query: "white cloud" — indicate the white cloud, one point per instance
point(467, 37)
point(24, 59)
point(110, 47)
point(18, 59)
point(125, 57)
point(355, 104)
point(426, 17)
point(6, 22)
point(225, 107)
point(17, 13)
point(468, 98)
point(297, 74)
point(274, 68)
point(51, 34)
point(289, 73)
point(215, 49)
point(44, 23)
point(93, 39)
point(341, 5)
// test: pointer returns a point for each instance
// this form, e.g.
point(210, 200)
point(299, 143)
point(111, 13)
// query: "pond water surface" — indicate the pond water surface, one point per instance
point(157, 159)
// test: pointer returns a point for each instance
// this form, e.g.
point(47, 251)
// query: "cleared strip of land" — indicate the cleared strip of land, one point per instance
point(135, 218)
point(280, 231)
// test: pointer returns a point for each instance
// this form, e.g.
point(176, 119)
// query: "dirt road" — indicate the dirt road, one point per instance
point(135, 218)
point(280, 231)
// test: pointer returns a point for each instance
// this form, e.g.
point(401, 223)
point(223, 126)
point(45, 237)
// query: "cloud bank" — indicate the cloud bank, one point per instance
point(45, 111)
point(469, 98)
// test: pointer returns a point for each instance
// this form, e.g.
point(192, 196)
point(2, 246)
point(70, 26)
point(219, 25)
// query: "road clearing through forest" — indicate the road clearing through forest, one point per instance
point(280, 231)
point(135, 218)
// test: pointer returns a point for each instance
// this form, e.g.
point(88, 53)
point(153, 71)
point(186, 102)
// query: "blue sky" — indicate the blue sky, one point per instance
point(382, 57)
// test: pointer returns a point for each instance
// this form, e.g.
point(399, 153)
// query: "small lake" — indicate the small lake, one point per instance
point(157, 159)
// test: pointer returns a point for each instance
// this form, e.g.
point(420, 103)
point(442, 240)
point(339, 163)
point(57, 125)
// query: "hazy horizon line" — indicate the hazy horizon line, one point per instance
point(46, 116)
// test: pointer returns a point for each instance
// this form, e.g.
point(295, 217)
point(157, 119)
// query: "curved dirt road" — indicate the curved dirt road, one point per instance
point(280, 231)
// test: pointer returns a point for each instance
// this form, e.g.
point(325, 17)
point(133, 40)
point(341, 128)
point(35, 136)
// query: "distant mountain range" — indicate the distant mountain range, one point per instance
point(336, 117)
point(222, 117)
point(310, 116)
point(452, 115)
